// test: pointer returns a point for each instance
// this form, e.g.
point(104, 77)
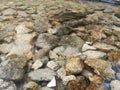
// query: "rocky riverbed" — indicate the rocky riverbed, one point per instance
point(59, 45)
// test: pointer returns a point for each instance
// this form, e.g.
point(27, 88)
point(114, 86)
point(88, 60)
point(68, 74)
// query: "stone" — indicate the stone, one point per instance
point(23, 50)
point(13, 69)
point(45, 74)
point(118, 76)
point(74, 65)
point(61, 72)
point(74, 85)
point(92, 87)
point(7, 85)
point(32, 86)
point(52, 83)
point(8, 11)
point(22, 14)
point(87, 47)
point(37, 64)
point(101, 67)
point(52, 30)
point(5, 48)
point(104, 46)
point(115, 85)
point(46, 41)
point(52, 65)
point(47, 88)
point(116, 31)
point(94, 54)
point(66, 79)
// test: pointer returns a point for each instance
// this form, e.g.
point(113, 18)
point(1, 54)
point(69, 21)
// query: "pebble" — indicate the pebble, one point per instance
point(118, 76)
point(74, 65)
point(37, 64)
point(8, 12)
point(115, 85)
point(87, 47)
point(61, 72)
point(52, 65)
point(52, 83)
point(94, 54)
point(32, 86)
point(45, 74)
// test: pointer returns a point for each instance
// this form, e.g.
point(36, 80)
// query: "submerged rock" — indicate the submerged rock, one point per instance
point(101, 67)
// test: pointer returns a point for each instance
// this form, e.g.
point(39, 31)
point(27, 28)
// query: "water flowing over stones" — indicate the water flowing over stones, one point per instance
point(75, 43)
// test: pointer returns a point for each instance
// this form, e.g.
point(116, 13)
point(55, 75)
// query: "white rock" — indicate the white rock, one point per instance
point(52, 65)
point(38, 64)
point(52, 31)
point(94, 54)
point(87, 47)
point(66, 79)
point(52, 83)
point(115, 85)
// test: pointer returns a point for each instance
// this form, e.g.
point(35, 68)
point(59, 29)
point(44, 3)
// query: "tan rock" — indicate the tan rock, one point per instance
point(104, 46)
point(74, 65)
point(87, 47)
point(101, 67)
point(32, 86)
point(92, 87)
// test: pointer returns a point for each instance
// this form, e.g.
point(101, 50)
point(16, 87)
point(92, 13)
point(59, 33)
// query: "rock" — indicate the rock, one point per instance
point(74, 65)
point(7, 85)
point(101, 67)
point(105, 47)
point(52, 65)
point(52, 83)
point(37, 64)
point(61, 72)
point(115, 85)
point(9, 11)
point(47, 88)
point(5, 48)
point(94, 54)
point(71, 40)
point(23, 50)
point(52, 31)
point(116, 31)
point(118, 76)
point(64, 52)
point(87, 47)
point(74, 85)
point(22, 14)
point(13, 69)
point(46, 41)
point(32, 86)
point(102, 87)
point(24, 28)
point(42, 74)
point(66, 79)
point(92, 87)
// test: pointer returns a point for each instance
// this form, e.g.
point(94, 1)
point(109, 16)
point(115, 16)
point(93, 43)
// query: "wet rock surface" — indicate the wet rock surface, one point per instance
point(76, 42)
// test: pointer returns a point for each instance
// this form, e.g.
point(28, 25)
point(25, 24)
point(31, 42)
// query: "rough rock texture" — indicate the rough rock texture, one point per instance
point(115, 85)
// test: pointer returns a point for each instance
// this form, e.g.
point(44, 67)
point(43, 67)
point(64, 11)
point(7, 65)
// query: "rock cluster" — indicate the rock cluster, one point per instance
point(59, 45)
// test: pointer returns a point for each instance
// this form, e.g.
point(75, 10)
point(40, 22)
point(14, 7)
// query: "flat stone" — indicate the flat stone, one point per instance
point(115, 85)
point(42, 74)
point(94, 54)
point(87, 47)
point(104, 46)
point(74, 65)
point(37, 64)
point(61, 72)
point(13, 69)
point(22, 14)
point(47, 88)
point(46, 41)
point(101, 67)
point(9, 11)
point(52, 65)
point(7, 85)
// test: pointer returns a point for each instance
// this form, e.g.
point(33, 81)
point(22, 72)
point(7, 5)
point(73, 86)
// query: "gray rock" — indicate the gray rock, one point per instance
point(46, 41)
point(37, 64)
point(9, 11)
point(61, 72)
point(7, 85)
point(45, 74)
point(22, 14)
point(94, 54)
point(47, 88)
point(12, 69)
point(118, 76)
point(115, 85)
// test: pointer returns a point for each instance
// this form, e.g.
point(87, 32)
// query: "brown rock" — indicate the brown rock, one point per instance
point(74, 65)
point(32, 86)
point(101, 67)
point(74, 85)
point(92, 87)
